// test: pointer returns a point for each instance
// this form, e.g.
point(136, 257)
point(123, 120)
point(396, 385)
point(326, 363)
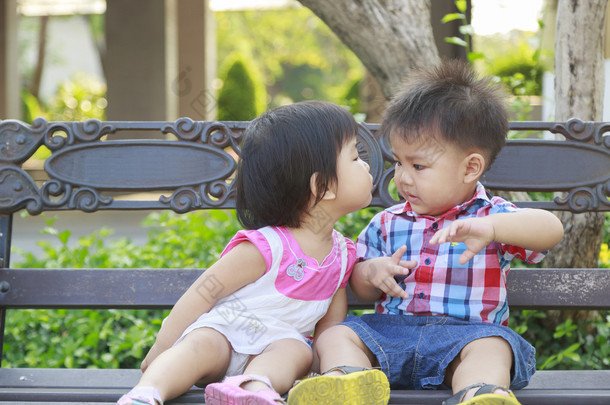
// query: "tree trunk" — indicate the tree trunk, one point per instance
point(579, 84)
point(42, 46)
point(372, 98)
point(390, 37)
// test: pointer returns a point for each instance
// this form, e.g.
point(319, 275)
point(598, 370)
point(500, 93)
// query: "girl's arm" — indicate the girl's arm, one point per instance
point(241, 266)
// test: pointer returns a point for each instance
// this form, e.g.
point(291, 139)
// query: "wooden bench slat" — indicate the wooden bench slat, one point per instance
point(105, 386)
point(161, 288)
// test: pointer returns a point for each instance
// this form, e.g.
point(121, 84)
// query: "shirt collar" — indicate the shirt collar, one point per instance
point(479, 194)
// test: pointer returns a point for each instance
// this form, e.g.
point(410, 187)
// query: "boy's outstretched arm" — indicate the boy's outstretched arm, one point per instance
point(373, 277)
point(531, 229)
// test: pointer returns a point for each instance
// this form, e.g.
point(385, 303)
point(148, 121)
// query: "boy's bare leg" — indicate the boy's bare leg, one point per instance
point(487, 360)
point(282, 362)
point(341, 346)
point(202, 356)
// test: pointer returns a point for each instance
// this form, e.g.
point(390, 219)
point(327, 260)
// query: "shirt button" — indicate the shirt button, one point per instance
point(427, 261)
point(435, 226)
point(422, 295)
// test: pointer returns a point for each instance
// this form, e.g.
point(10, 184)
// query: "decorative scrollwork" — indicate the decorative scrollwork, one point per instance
point(18, 190)
point(370, 152)
point(19, 141)
point(578, 130)
point(219, 134)
point(600, 138)
point(90, 130)
point(185, 129)
point(87, 199)
point(215, 133)
point(219, 190)
point(586, 198)
point(52, 189)
point(386, 199)
point(208, 195)
point(182, 200)
point(574, 129)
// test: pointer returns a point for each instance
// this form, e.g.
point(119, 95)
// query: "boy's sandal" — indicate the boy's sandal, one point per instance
point(141, 396)
point(229, 391)
point(483, 396)
point(358, 385)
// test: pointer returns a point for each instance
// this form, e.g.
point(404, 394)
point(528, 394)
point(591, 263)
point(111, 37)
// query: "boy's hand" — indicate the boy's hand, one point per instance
point(382, 272)
point(475, 233)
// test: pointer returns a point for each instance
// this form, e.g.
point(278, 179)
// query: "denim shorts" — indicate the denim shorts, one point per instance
point(414, 351)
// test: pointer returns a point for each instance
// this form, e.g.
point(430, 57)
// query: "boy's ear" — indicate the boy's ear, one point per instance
point(475, 166)
point(329, 194)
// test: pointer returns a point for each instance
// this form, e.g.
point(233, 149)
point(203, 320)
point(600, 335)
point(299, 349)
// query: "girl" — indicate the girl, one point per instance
point(248, 317)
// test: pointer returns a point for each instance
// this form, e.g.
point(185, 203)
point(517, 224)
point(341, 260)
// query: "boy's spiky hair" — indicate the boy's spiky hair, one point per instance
point(451, 102)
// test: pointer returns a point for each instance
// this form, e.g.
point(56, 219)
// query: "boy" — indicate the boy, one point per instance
point(436, 265)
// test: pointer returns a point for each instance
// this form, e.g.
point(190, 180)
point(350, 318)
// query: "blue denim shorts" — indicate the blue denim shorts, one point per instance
point(414, 351)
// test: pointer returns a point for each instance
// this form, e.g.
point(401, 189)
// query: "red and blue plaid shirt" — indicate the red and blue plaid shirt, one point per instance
point(440, 285)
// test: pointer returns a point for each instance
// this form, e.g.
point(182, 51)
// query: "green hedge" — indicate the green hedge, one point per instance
point(121, 338)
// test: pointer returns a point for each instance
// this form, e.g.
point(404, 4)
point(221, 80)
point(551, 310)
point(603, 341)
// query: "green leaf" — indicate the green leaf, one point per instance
point(472, 56)
point(461, 5)
point(466, 30)
point(456, 41)
point(452, 17)
point(64, 236)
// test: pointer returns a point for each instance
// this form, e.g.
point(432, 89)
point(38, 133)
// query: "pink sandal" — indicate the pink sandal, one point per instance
point(141, 396)
point(229, 391)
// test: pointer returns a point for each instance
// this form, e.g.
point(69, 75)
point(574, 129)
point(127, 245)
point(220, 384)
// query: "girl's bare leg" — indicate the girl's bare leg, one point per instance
point(203, 355)
point(282, 362)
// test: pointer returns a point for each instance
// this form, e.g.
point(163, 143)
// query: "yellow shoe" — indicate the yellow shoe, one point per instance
point(367, 386)
point(483, 396)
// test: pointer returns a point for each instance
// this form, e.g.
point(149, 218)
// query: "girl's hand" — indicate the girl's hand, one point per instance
point(383, 272)
point(152, 354)
point(475, 233)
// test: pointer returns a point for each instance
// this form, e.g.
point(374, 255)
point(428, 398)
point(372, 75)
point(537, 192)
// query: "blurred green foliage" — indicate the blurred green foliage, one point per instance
point(120, 338)
point(79, 99)
point(242, 96)
point(109, 338)
point(297, 54)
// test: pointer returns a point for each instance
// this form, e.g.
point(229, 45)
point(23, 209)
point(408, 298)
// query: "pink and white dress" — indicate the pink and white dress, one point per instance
point(289, 299)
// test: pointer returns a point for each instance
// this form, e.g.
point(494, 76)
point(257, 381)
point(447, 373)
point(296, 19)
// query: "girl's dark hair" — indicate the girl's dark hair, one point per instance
point(280, 152)
point(450, 102)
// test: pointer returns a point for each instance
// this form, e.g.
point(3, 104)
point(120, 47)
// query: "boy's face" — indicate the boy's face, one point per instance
point(430, 174)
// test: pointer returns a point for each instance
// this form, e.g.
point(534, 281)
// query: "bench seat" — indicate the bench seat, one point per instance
point(93, 386)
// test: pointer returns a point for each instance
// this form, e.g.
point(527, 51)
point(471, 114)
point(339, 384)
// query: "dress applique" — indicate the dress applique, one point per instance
point(296, 270)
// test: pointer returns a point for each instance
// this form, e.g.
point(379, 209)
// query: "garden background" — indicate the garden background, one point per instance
point(295, 57)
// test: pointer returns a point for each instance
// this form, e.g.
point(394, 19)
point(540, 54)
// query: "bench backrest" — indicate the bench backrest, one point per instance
point(89, 170)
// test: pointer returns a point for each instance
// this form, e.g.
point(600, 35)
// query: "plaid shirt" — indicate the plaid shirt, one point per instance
point(440, 285)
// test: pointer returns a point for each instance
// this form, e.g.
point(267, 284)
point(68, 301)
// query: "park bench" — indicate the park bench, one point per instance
point(89, 170)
